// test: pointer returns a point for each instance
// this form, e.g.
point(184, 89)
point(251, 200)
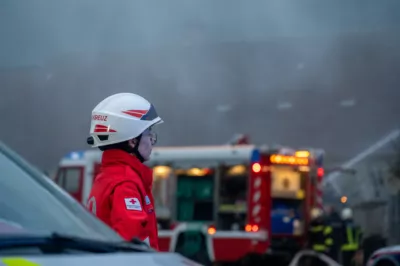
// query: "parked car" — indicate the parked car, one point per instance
point(388, 256)
point(42, 224)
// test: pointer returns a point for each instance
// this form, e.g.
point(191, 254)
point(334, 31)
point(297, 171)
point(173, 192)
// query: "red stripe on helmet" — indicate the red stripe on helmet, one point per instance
point(136, 113)
point(102, 128)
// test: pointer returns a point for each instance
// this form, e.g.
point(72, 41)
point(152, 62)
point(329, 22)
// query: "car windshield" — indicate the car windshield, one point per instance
point(31, 203)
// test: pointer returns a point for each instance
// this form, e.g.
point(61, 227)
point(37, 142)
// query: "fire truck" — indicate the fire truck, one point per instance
point(222, 203)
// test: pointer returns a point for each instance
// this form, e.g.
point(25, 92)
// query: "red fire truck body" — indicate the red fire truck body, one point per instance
point(240, 200)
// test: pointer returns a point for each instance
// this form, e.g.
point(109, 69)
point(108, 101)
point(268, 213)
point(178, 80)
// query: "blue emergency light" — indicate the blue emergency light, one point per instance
point(75, 155)
point(319, 160)
point(255, 156)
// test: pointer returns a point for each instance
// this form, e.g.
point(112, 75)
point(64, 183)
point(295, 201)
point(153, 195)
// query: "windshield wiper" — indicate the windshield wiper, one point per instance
point(57, 243)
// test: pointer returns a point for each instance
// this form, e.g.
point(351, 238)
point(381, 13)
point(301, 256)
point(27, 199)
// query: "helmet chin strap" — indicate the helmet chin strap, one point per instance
point(135, 150)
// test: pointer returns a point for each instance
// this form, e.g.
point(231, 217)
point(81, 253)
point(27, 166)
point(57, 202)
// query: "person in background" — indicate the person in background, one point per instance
point(351, 235)
point(121, 194)
point(335, 221)
point(319, 233)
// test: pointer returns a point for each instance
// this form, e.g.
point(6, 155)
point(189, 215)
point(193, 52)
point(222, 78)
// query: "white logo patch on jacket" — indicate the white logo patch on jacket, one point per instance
point(133, 204)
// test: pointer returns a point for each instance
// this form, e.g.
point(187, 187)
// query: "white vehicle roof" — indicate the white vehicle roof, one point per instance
point(201, 156)
point(185, 156)
point(81, 158)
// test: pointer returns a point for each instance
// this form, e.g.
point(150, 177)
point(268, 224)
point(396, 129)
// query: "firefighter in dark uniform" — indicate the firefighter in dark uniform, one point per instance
point(351, 237)
point(319, 233)
point(335, 221)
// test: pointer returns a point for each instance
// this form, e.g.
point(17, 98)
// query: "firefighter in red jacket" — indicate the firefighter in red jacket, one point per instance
point(121, 195)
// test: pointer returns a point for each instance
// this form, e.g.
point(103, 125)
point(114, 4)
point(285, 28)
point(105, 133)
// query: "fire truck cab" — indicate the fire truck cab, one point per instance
point(221, 203)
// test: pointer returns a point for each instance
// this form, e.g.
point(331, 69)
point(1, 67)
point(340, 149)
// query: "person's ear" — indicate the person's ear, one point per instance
point(132, 142)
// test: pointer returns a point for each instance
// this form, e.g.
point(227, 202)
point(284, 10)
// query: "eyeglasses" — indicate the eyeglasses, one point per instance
point(151, 134)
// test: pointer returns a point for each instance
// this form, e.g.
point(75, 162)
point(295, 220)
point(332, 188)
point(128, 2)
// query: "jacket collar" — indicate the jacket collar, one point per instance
point(120, 157)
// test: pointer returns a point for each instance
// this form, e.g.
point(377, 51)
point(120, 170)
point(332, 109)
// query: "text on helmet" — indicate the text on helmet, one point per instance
point(99, 117)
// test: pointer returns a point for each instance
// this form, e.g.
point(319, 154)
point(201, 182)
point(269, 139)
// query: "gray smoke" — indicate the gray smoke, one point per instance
point(212, 68)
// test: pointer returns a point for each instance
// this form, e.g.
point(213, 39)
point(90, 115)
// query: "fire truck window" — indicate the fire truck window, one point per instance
point(160, 187)
point(157, 190)
point(72, 180)
point(233, 186)
point(203, 211)
point(60, 177)
point(195, 195)
point(231, 221)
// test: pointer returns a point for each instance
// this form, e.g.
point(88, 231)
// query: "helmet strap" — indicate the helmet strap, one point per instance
point(135, 150)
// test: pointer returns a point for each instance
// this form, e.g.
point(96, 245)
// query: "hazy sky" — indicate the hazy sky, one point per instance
point(195, 59)
point(36, 31)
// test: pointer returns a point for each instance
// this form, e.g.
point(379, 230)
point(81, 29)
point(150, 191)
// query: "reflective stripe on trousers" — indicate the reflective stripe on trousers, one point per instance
point(352, 244)
point(319, 247)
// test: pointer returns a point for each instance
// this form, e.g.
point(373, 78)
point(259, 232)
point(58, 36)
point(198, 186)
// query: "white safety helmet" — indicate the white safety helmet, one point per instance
point(121, 117)
point(347, 214)
point(316, 213)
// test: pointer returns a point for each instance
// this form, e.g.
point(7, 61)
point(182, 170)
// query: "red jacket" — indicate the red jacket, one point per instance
point(121, 197)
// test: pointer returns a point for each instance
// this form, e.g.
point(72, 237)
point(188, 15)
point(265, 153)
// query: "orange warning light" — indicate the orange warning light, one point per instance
point(343, 199)
point(211, 231)
point(291, 160)
point(248, 228)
